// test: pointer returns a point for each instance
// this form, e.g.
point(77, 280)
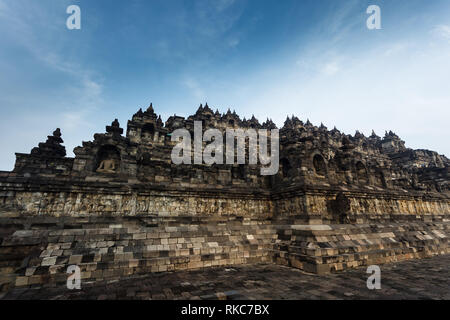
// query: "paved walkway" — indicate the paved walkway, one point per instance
point(417, 279)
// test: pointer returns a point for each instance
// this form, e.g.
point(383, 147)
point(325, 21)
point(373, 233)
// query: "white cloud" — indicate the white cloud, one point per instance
point(18, 22)
point(195, 88)
point(330, 68)
point(399, 86)
point(213, 19)
point(396, 48)
point(339, 22)
point(442, 31)
point(26, 25)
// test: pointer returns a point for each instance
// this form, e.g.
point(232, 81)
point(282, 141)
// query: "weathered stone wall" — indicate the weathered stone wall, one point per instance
point(38, 250)
point(318, 204)
point(163, 204)
point(28, 196)
point(329, 248)
point(21, 199)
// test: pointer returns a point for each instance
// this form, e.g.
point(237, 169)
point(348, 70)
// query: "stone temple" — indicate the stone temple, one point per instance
point(120, 207)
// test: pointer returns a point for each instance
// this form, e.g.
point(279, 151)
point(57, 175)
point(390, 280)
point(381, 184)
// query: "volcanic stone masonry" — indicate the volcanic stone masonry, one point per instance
point(122, 208)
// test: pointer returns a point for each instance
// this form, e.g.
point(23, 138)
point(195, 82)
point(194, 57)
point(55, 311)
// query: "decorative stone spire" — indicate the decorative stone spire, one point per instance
point(269, 124)
point(159, 122)
point(296, 122)
point(253, 122)
point(52, 148)
point(139, 114)
point(392, 143)
point(207, 108)
point(288, 122)
point(149, 113)
point(150, 109)
point(56, 136)
point(114, 128)
point(358, 135)
point(374, 135)
point(347, 144)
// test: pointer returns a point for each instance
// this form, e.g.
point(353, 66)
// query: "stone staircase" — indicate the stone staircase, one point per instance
point(328, 248)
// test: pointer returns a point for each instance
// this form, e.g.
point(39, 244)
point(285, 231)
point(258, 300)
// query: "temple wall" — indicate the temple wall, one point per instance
point(114, 233)
point(318, 207)
point(37, 251)
point(23, 203)
point(317, 204)
point(90, 200)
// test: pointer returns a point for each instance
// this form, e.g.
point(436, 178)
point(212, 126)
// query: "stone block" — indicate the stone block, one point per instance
point(48, 261)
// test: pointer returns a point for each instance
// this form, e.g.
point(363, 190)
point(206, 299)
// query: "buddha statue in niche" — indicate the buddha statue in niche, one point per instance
point(108, 159)
point(107, 166)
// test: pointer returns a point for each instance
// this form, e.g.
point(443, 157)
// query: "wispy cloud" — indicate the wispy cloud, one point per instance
point(396, 48)
point(341, 20)
point(194, 88)
point(315, 59)
point(442, 31)
point(386, 87)
point(223, 4)
point(330, 68)
point(18, 18)
point(40, 35)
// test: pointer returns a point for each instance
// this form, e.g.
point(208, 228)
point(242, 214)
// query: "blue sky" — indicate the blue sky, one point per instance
point(314, 59)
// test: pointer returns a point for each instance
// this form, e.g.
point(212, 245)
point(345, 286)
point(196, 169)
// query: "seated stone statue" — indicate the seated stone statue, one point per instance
point(108, 166)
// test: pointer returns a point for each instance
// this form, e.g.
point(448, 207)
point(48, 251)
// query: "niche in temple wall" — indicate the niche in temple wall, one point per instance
point(361, 173)
point(285, 167)
point(379, 179)
point(320, 166)
point(148, 131)
point(108, 159)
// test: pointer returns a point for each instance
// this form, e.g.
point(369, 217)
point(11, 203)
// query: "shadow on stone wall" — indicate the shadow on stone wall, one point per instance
point(340, 209)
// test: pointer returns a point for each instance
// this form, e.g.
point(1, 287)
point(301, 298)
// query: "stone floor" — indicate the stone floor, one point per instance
point(417, 279)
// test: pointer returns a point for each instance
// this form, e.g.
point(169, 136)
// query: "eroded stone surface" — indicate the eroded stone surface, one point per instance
point(108, 248)
point(418, 279)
